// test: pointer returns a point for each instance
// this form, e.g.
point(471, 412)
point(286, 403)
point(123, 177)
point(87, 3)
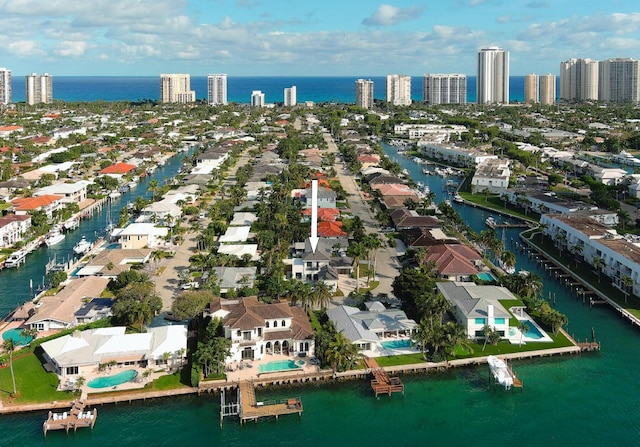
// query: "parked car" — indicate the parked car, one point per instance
point(191, 285)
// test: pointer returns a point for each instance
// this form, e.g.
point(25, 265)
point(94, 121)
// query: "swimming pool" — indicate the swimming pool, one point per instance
point(397, 344)
point(116, 379)
point(533, 332)
point(279, 366)
point(16, 335)
point(486, 276)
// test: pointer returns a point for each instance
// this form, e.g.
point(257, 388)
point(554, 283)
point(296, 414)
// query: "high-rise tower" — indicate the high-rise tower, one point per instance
point(579, 80)
point(531, 94)
point(444, 88)
point(5, 86)
point(364, 93)
point(547, 89)
point(618, 80)
point(399, 90)
point(493, 76)
point(176, 88)
point(257, 98)
point(39, 89)
point(217, 89)
point(290, 96)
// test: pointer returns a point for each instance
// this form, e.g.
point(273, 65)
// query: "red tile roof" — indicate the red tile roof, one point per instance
point(118, 168)
point(330, 229)
point(10, 128)
point(324, 214)
point(454, 259)
point(33, 203)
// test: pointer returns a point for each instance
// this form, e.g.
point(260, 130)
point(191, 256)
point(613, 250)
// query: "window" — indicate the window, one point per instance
point(246, 335)
point(259, 332)
point(72, 370)
point(239, 334)
point(499, 320)
point(266, 324)
point(283, 323)
point(275, 324)
point(480, 321)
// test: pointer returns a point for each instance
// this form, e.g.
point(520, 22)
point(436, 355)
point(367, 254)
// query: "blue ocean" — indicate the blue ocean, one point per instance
point(316, 89)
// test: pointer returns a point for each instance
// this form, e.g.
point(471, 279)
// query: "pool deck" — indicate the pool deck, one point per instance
point(235, 373)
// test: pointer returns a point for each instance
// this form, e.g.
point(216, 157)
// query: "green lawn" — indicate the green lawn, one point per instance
point(33, 383)
point(504, 347)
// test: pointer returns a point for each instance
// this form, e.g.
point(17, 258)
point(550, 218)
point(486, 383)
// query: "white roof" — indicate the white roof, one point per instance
point(235, 234)
point(135, 229)
point(239, 250)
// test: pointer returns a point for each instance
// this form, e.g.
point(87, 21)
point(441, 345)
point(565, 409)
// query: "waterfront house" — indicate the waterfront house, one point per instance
point(310, 267)
point(257, 329)
point(94, 310)
point(454, 155)
point(161, 211)
point(240, 250)
point(475, 306)
point(491, 175)
point(367, 329)
point(404, 218)
point(83, 353)
point(57, 312)
point(13, 227)
point(75, 192)
point(118, 170)
point(140, 235)
point(47, 203)
point(455, 262)
point(110, 263)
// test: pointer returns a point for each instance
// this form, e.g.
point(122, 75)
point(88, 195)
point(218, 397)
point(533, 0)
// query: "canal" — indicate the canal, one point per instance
point(15, 284)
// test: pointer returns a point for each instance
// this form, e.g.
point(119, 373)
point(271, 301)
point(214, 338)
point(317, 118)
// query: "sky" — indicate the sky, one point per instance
point(308, 37)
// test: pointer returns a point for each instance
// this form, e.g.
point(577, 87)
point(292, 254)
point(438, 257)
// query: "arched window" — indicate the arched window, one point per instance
point(275, 324)
point(283, 323)
point(266, 324)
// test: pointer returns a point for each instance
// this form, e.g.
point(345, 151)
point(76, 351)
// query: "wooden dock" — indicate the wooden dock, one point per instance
point(250, 409)
point(75, 418)
point(381, 382)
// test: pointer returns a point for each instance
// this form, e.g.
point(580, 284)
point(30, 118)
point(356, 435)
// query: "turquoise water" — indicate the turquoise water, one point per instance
point(17, 337)
point(533, 331)
point(486, 276)
point(278, 365)
point(396, 344)
point(586, 400)
point(116, 379)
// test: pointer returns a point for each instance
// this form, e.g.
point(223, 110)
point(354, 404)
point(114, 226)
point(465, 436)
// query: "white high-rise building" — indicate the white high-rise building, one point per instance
point(547, 89)
point(364, 93)
point(290, 96)
point(399, 90)
point(217, 89)
point(531, 92)
point(493, 76)
point(39, 89)
point(5, 86)
point(176, 88)
point(257, 98)
point(618, 80)
point(444, 88)
point(579, 80)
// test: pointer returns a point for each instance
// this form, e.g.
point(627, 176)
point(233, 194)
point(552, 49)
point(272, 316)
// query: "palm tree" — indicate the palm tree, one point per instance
point(9, 346)
point(356, 251)
point(78, 385)
point(523, 328)
point(508, 259)
point(322, 294)
point(153, 188)
point(598, 264)
point(627, 281)
point(342, 354)
point(372, 243)
point(422, 337)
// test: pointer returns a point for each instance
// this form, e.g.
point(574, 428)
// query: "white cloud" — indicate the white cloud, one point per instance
point(387, 15)
point(23, 48)
point(71, 48)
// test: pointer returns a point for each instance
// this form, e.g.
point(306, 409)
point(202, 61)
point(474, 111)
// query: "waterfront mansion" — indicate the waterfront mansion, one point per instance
point(258, 329)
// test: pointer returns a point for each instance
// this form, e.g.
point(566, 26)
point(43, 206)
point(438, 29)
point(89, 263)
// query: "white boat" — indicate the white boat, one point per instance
point(114, 195)
point(491, 222)
point(70, 224)
point(508, 270)
point(132, 184)
point(54, 237)
point(458, 199)
point(16, 258)
point(82, 247)
point(500, 371)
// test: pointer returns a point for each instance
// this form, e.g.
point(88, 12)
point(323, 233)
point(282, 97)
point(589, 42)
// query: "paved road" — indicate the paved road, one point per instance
point(387, 266)
point(168, 282)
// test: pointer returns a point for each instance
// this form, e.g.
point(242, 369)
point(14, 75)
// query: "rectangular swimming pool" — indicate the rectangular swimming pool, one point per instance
point(280, 365)
point(486, 276)
point(533, 331)
point(397, 344)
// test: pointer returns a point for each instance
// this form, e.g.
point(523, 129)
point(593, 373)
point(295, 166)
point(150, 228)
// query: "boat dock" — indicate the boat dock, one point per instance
point(381, 382)
point(248, 408)
point(495, 372)
point(508, 225)
point(75, 418)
